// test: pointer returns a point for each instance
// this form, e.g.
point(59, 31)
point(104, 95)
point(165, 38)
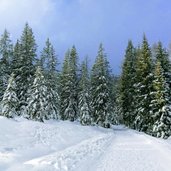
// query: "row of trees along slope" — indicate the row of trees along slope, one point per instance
point(145, 89)
point(31, 86)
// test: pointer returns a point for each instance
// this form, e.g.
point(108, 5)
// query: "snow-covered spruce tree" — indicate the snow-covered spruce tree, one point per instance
point(143, 86)
point(69, 87)
point(16, 68)
point(116, 117)
point(112, 118)
point(9, 102)
point(6, 53)
point(84, 96)
point(45, 54)
point(15, 64)
point(64, 89)
point(100, 98)
point(126, 86)
point(48, 62)
point(40, 103)
point(48, 59)
point(26, 52)
point(160, 104)
point(162, 55)
point(71, 112)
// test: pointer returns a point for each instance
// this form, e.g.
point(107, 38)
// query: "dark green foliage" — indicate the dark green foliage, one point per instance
point(15, 65)
point(25, 54)
point(162, 56)
point(160, 104)
point(48, 63)
point(69, 87)
point(84, 95)
point(144, 78)
point(127, 82)
point(115, 116)
point(71, 112)
point(100, 91)
point(64, 86)
point(144, 89)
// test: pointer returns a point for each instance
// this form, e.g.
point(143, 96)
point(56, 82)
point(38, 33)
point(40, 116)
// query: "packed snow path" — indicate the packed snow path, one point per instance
point(64, 146)
point(132, 151)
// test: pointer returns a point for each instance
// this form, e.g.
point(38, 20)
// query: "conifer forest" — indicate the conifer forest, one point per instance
point(39, 86)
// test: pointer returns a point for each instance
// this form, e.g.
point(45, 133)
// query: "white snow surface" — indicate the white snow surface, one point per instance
point(66, 146)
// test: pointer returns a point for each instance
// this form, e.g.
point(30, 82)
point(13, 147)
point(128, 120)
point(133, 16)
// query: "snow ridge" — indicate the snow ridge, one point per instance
point(69, 158)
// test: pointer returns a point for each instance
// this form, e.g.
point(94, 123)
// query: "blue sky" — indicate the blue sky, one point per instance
point(86, 23)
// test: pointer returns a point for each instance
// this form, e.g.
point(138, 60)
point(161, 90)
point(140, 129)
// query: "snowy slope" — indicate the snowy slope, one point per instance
point(64, 146)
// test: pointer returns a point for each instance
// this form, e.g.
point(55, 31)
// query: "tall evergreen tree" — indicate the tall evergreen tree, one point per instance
point(15, 65)
point(144, 78)
point(6, 53)
point(71, 111)
point(26, 51)
point(127, 82)
point(69, 86)
point(64, 90)
point(9, 102)
point(100, 90)
point(112, 101)
point(40, 103)
point(162, 56)
point(161, 104)
point(48, 62)
point(84, 95)
point(116, 116)
point(48, 59)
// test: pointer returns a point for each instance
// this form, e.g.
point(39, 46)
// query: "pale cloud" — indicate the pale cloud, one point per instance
point(15, 13)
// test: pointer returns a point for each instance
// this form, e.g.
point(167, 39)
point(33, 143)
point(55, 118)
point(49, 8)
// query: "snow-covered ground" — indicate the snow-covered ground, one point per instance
point(64, 146)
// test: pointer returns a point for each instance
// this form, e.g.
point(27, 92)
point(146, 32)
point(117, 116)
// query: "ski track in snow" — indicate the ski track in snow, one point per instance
point(124, 150)
point(65, 146)
point(70, 158)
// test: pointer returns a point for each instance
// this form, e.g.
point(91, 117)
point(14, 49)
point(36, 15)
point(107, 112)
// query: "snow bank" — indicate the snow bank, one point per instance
point(67, 146)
